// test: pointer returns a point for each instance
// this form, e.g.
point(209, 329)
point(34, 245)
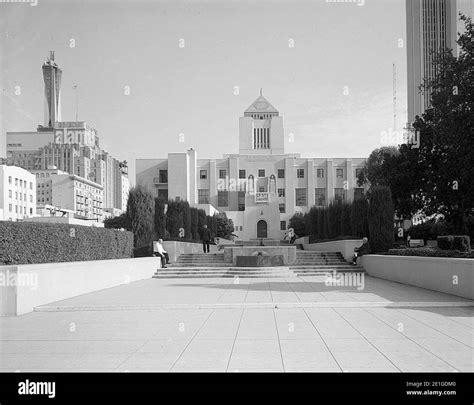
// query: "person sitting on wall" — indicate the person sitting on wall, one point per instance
point(158, 250)
point(360, 251)
point(206, 239)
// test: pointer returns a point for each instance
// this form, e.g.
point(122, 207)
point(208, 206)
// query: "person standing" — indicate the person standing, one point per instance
point(206, 238)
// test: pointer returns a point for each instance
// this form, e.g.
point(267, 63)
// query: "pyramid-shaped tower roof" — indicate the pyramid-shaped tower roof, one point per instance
point(261, 105)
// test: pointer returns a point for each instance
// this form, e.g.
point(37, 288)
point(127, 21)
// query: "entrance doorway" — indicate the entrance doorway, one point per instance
point(262, 229)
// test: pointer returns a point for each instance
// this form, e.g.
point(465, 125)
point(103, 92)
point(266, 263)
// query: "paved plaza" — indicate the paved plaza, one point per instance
point(277, 325)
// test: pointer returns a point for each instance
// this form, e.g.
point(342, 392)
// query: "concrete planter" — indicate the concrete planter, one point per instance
point(346, 247)
point(175, 248)
point(24, 287)
point(447, 275)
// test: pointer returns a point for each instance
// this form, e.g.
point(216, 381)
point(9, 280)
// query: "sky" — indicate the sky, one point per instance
point(155, 77)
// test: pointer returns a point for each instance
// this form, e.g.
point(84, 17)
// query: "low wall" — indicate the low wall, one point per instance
point(24, 287)
point(346, 247)
point(175, 248)
point(447, 275)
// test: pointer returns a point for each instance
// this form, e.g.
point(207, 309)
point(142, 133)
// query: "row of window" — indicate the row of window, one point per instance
point(300, 174)
point(340, 194)
point(22, 210)
point(22, 183)
point(22, 196)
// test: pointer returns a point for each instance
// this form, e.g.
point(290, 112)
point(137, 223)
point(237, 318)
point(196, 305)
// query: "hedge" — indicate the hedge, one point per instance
point(454, 242)
point(31, 242)
point(430, 252)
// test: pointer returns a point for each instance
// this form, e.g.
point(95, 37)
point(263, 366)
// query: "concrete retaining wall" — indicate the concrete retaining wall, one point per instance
point(175, 248)
point(447, 275)
point(346, 247)
point(24, 287)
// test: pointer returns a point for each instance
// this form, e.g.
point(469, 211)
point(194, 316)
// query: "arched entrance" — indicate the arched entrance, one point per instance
point(262, 229)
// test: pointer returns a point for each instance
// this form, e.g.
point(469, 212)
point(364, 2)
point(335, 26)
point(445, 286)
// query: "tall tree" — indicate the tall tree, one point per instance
point(160, 218)
point(140, 214)
point(380, 214)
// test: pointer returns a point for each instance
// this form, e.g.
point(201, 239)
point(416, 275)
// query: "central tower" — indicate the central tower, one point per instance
point(261, 129)
point(52, 91)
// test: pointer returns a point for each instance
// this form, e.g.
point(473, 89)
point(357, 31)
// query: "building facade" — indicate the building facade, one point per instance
point(261, 187)
point(17, 193)
point(70, 146)
point(432, 25)
point(64, 191)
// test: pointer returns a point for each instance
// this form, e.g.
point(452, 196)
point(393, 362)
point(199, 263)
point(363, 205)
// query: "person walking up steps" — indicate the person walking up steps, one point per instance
point(206, 239)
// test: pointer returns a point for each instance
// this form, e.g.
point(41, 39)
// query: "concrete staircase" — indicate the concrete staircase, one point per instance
point(308, 263)
point(312, 263)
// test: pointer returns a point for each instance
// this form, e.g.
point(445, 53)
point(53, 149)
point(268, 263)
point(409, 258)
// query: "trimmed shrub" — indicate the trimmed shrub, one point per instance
point(298, 223)
point(457, 242)
point(174, 219)
point(118, 222)
point(462, 243)
point(160, 219)
point(140, 213)
point(346, 227)
point(33, 242)
point(430, 252)
point(380, 214)
point(194, 224)
point(359, 220)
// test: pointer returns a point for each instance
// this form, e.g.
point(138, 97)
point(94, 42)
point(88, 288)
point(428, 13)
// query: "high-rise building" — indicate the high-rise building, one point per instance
point(70, 146)
point(52, 91)
point(261, 187)
point(432, 25)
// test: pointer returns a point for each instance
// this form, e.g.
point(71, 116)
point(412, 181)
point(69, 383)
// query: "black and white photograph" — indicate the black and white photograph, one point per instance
point(262, 191)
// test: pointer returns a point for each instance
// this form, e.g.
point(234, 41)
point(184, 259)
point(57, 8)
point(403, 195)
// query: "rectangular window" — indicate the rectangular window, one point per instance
point(241, 228)
point(300, 197)
point(281, 192)
point(222, 173)
point(203, 196)
point(10, 207)
point(282, 225)
point(358, 193)
point(282, 208)
point(281, 173)
point(320, 196)
point(163, 176)
point(203, 174)
point(9, 179)
point(261, 172)
point(163, 193)
point(222, 198)
point(357, 172)
point(339, 173)
point(10, 193)
point(339, 194)
point(320, 173)
point(241, 200)
point(31, 185)
point(300, 173)
point(242, 174)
